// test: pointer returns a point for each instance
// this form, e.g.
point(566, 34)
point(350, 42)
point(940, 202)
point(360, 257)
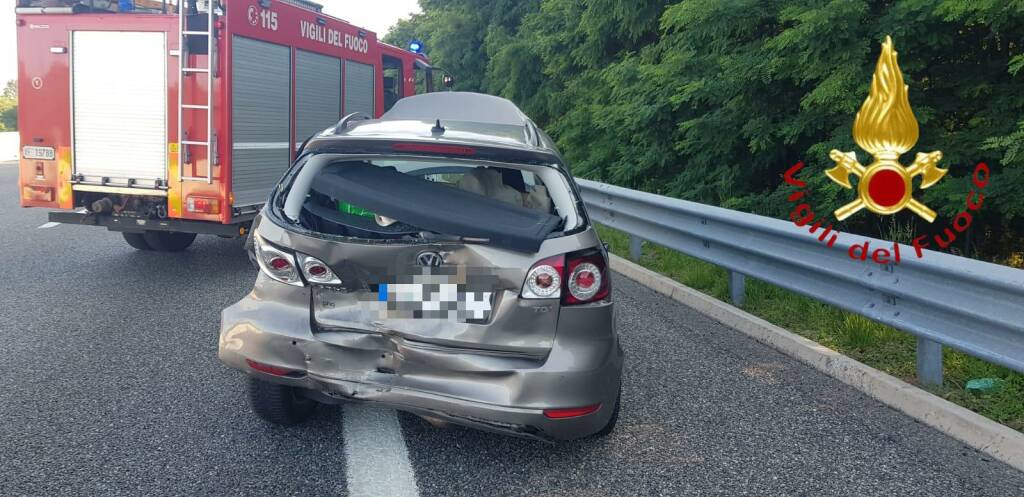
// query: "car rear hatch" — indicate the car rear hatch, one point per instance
point(447, 294)
point(434, 250)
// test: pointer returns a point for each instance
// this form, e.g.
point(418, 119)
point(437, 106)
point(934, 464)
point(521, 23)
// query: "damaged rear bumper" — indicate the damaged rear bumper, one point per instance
point(495, 391)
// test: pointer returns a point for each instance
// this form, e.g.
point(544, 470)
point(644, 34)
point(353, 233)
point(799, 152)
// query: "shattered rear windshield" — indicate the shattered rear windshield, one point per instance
point(510, 207)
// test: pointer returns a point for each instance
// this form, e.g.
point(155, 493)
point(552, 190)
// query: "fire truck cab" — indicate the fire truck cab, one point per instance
point(164, 119)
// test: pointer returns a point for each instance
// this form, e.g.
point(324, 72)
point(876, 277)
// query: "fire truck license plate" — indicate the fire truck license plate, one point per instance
point(38, 153)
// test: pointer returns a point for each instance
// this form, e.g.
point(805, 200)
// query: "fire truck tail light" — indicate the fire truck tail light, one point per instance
point(38, 193)
point(203, 205)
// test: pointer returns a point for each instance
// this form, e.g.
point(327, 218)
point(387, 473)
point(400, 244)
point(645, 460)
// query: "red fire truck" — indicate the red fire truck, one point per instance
point(165, 119)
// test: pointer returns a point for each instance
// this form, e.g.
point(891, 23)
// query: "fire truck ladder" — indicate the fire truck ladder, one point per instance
point(184, 71)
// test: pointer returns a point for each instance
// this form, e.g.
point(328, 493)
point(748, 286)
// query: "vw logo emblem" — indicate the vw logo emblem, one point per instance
point(429, 259)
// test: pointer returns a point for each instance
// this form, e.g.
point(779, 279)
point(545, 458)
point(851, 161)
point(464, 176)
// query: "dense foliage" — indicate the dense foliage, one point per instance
point(711, 100)
point(9, 107)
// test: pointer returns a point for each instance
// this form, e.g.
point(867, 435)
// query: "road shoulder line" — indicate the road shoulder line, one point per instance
point(975, 430)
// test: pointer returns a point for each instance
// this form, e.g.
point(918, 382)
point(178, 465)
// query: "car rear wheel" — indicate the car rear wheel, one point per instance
point(279, 404)
point(136, 240)
point(169, 241)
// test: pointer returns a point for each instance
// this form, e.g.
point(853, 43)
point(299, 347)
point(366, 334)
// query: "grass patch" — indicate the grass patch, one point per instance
point(877, 345)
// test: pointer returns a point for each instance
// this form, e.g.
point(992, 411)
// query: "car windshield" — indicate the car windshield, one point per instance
point(514, 206)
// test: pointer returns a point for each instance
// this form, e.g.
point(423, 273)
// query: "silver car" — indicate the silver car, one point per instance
point(438, 261)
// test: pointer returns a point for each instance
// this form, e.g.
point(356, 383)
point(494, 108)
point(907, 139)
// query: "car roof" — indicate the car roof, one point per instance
point(457, 106)
point(467, 118)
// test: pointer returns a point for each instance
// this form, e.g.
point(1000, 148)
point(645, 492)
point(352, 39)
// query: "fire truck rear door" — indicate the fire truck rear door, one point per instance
point(119, 99)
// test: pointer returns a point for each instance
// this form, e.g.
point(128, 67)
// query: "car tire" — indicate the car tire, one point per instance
point(169, 241)
point(610, 426)
point(279, 404)
point(136, 240)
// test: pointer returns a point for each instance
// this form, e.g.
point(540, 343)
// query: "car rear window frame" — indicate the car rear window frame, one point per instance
point(278, 196)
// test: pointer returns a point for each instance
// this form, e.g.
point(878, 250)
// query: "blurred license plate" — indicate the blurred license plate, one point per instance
point(435, 301)
point(39, 153)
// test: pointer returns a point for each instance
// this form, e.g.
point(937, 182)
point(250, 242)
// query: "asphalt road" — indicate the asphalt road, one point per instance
point(110, 385)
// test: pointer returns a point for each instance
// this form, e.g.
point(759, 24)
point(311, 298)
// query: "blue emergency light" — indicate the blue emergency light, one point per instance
point(416, 46)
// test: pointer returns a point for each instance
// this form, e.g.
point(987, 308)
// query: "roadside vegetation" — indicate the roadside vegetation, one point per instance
point(9, 107)
point(712, 100)
point(874, 344)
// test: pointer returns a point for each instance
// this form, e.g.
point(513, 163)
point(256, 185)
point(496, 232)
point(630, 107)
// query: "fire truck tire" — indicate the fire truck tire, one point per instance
point(169, 241)
point(279, 404)
point(136, 240)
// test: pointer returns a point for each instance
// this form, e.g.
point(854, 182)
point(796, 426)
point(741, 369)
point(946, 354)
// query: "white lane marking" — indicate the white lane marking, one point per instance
point(47, 225)
point(376, 459)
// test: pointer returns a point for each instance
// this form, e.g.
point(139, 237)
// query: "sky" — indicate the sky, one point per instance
point(377, 16)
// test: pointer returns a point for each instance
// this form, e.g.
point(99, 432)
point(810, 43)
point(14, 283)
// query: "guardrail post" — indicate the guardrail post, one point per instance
point(929, 362)
point(737, 287)
point(635, 247)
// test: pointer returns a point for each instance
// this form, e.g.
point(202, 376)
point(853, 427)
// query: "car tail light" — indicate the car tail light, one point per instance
point(586, 278)
point(316, 271)
point(571, 412)
point(277, 264)
point(274, 370)
point(544, 280)
point(434, 149)
point(202, 205)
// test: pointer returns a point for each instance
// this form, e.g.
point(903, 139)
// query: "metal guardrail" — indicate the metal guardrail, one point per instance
point(972, 306)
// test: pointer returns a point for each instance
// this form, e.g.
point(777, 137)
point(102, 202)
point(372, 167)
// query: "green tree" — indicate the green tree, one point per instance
point(9, 107)
point(711, 100)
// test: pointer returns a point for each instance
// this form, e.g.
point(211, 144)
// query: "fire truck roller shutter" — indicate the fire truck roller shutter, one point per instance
point(359, 88)
point(317, 93)
point(119, 114)
point(260, 119)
